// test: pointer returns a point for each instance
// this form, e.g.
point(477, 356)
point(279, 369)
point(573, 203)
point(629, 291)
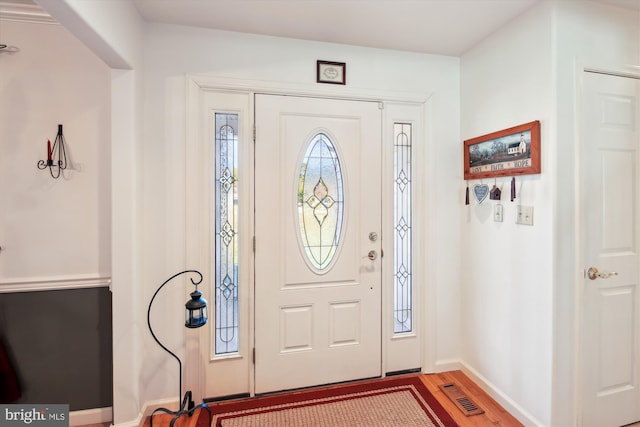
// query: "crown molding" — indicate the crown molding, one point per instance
point(24, 12)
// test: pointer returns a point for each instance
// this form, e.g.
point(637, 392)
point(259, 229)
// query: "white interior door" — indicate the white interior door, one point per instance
point(317, 241)
point(610, 338)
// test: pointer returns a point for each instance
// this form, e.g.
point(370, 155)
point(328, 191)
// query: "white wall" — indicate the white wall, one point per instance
point(517, 293)
point(519, 302)
point(53, 230)
point(507, 278)
point(592, 34)
point(148, 181)
point(112, 31)
point(55, 233)
point(172, 51)
point(508, 301)
point(516, 303)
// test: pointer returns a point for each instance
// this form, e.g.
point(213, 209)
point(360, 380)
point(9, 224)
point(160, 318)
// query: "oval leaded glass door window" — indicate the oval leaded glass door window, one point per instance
point(320, 202)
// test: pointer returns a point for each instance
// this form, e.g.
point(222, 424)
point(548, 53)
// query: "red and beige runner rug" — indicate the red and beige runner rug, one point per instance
point(391, 402)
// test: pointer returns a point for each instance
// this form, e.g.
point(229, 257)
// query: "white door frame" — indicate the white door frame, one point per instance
point(581, 69)
point(197, 84)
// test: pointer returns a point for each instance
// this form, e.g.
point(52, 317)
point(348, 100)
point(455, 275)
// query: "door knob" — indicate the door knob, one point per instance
point(372, 255)
point(593, 274)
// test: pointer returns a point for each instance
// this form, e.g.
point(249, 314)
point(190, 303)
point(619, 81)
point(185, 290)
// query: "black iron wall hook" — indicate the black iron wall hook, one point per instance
point(56, 156)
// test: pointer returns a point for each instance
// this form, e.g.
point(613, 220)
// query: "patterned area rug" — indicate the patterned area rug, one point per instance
point(391, 402)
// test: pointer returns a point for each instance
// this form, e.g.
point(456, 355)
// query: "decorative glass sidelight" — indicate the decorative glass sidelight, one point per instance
point(403, 284)
point(226, 229)
point(320, 202)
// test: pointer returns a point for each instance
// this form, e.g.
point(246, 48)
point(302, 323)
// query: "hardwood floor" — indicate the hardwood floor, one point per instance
point(494, 414)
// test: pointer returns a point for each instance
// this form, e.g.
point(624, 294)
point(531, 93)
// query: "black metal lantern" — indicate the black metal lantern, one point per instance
point(196, 310)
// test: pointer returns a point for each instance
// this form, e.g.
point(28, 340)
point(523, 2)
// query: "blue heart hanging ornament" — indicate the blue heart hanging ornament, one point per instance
point(480, 191)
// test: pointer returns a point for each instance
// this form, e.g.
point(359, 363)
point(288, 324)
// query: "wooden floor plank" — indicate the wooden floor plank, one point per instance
point(164, 420)
point(494, 415)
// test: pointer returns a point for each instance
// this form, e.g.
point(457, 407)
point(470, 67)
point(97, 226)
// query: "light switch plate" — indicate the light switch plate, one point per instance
point(524, 215)
point(497, 213)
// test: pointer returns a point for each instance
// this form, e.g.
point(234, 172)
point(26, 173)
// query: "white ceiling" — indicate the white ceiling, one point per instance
point(447, 27)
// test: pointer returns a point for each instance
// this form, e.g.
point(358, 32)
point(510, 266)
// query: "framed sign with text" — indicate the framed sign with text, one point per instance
point(331, 72)
point(513, 151)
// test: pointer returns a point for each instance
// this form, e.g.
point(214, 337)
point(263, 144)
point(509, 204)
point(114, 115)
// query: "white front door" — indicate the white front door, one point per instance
point(317, 241)
point(610, 326)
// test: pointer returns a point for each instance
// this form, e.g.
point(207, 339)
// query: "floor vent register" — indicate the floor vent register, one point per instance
point(461, 400)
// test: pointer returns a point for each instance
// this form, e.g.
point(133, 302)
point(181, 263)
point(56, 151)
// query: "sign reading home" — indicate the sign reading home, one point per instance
point(34, 415)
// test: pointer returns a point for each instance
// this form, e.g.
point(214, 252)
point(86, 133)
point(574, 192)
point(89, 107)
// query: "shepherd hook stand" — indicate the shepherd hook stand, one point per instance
point(196, 305)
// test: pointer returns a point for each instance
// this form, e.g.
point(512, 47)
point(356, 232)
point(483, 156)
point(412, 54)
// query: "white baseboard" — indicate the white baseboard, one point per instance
point(505, 401)
point(138, 422)
point(90, 416)
point(147, 410)
point(447, 365)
